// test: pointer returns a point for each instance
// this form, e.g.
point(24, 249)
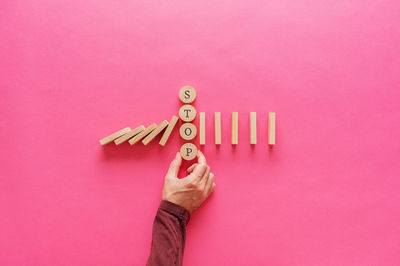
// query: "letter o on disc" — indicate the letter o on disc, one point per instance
point(188, 131)
point(187, 113)
point(187, 94)
point(188, 151)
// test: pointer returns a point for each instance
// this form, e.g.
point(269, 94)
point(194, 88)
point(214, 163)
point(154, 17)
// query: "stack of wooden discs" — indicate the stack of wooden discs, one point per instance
point(188, 130)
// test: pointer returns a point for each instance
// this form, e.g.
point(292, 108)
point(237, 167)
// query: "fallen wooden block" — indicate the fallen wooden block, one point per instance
point(115, 135)
point(253, 128)
point(187, 94)
point(271, 128)
point(235, 127)
point(217, 120)
point(155, 132)
point(202, 124)
point(188, 131)
point(188, 151)
point(142, 134)
point(168, 131)
point(187, 113)
point(129, 135)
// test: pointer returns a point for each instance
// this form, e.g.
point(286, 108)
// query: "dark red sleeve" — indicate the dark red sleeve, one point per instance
point(169, 234)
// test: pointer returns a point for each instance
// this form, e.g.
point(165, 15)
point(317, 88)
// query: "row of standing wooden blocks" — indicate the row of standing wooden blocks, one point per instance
point(235, 128)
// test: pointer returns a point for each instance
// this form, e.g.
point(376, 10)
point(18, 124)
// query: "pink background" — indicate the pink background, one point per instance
point(71, 72)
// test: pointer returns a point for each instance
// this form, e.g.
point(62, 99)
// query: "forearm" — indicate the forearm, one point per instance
point(169, 234)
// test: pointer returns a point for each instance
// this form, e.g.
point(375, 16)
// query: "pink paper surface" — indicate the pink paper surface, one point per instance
point(72, 72)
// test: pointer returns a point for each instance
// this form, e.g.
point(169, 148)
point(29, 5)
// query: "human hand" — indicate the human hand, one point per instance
point(191, 191)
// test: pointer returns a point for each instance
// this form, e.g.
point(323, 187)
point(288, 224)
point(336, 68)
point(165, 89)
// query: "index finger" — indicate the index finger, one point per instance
point(200, 158)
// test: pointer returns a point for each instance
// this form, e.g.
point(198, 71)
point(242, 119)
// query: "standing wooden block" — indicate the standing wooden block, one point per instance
point(187, 94)
point(188, 131)
point(217, 120)
point(187, 113)
point(168, 131)
point(129, 135)
point(188, 151)
point(271, 128)
point(253, 128)
point(155, 132)
point(202, 128)
point(115, 135)
point(142, 134)
point(235, 124)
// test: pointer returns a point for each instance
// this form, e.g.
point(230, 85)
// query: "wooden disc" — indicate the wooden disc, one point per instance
point(187, 113)
point(188, 131)
point(188, 151)
point(187, 94)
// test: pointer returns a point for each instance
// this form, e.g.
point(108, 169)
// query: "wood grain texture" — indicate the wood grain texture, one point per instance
point(155, 132)
point(115, 135)
point(142, 134)
point(202, 125)
point(168, 131)
point(253, 128)
point(217, 127)
point(129, 135)
point(188, 151)
point(235, 128)
point(271, 128)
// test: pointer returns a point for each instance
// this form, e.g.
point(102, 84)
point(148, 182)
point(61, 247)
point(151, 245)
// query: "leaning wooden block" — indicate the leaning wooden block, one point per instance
point(235, 120)
point(188, 151)
point(187, 94)
point(188, 131)
point(271, 128)
point(155, 132)
point(115, 135)
point(187, 113)
point(253, 128)
point(202, 123)
point(142, 134)
point(129, 135)
point(217, 120)
point(168, 131)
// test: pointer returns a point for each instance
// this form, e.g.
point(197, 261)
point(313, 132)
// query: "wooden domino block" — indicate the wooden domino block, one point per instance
point(217, 120)
point(114, 136)
point(187, 113)
point(129, 135)
point(187, 94)
point(168, 131)
point(188, 131)
point(253, 128)
point(155, 132)
point(142, 134)
point(235, 124)
point(188, 151)
point(202, 123)
point(271, 128)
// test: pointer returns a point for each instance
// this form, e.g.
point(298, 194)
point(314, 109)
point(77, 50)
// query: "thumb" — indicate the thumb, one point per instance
point(174, 166)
